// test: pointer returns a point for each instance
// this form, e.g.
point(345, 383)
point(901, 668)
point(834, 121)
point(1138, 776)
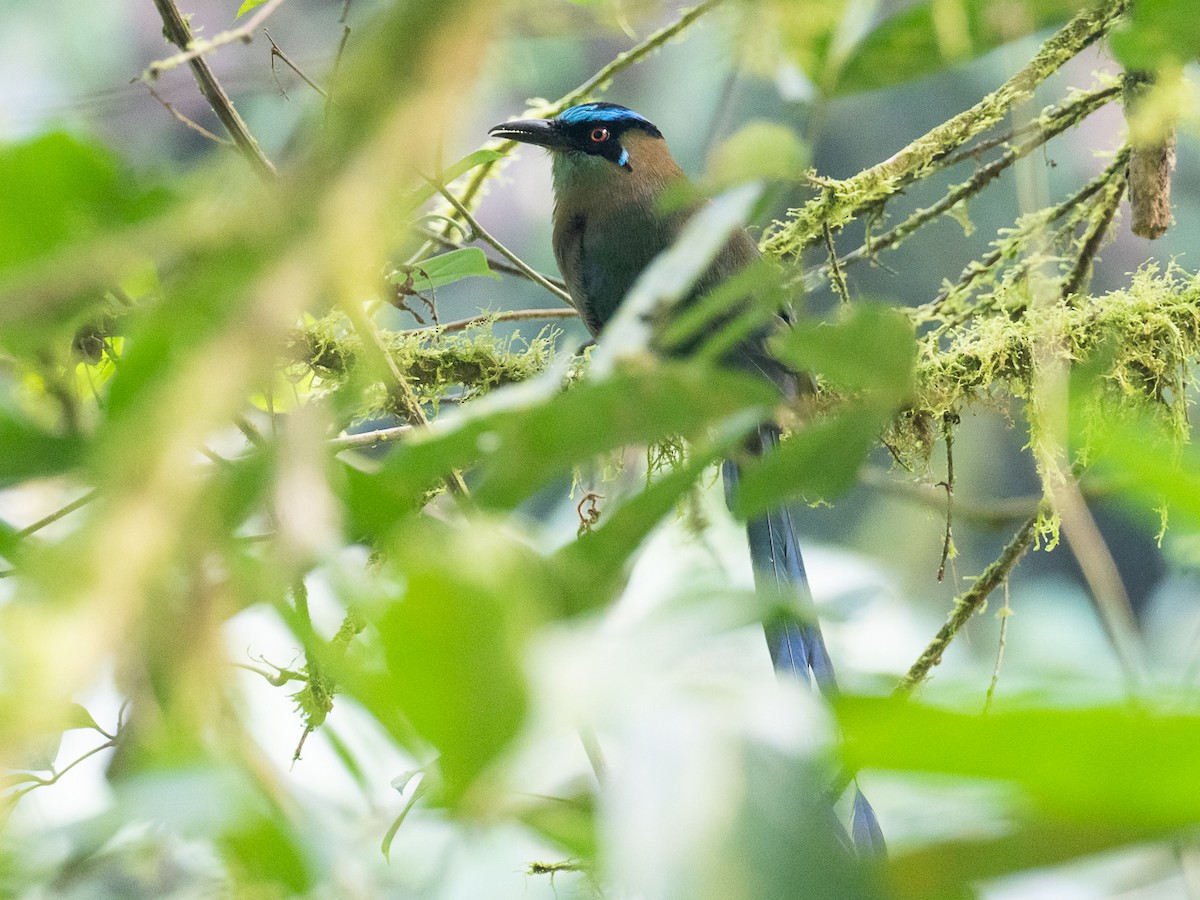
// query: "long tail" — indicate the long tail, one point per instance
point(795, 641)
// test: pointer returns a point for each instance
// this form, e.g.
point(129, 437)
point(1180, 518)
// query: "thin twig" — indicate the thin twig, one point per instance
point(337, 62)
point(77, 503)
point(967, 605)
point(58, 773)
point(276, 52)
point(512, 315)
point(192, 49)
point(597, 82)
point(948, 544)
point(977, 269)
point(195, 126)
point(835, 271)
point(369, 438)
point(1097, 230)
point(480, 232)
point(1005, 614)
point(1075, 110)
point(1108, 593)
point(989, 513)
point(498, 265)
point(178, 32)
point(1060, 121)
point(843, 200)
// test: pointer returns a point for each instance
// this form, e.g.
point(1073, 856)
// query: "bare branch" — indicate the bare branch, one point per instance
point(178, 32)
point(192, 50)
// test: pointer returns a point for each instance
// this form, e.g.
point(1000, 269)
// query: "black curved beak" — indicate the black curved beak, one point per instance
point(540, 132)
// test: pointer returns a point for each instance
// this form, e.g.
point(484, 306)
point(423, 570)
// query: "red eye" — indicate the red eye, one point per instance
point(599, 135)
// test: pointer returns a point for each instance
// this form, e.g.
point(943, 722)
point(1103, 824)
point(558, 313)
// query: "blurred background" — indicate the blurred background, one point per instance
point(874, 554)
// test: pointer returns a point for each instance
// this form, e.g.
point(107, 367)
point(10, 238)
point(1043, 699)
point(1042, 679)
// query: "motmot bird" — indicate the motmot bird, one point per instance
point(611, 169)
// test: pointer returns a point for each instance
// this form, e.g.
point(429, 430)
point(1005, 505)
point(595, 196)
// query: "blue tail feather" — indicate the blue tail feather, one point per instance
point(793, 634)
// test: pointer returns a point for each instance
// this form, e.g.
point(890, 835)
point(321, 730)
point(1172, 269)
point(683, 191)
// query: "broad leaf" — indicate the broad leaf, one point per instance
point(930, 36)
point(444, 269)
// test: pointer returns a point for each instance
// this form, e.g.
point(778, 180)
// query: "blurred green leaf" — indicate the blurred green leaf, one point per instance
point(59, 189)
point(79, 717)
point(1157, 33)
point(569, 822)
point(821, 461)
point(386, 846)
point(599, 558)
point(759, 149)
point(452, 643)
point(263, 849)
point(952, 869)
point(1122, 766)
point(444, 269)
point(871, 349)
point(930, 36)
point(31, 452)
point(207, 291)
point(522, 448)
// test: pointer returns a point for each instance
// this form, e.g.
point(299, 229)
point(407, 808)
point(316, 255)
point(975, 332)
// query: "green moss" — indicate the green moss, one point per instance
point(1141, 341)
point(435, 365)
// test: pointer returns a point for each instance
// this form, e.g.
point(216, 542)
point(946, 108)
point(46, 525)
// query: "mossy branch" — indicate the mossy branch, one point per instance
point(1050, 124)
point(841, 201)
point(431, 361)
point(1150, 331)
point(949, 306)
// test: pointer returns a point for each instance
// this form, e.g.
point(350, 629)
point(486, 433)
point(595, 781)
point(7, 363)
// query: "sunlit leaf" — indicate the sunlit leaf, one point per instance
point(79, 717)
point(452, 173)
point(248, 5)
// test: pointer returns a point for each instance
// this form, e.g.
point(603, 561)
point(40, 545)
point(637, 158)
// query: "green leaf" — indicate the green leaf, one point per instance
point(871, 350)
point(1158, 33)
point(569, 822)
point(759, 149)
point(819, 462)
point(521, 446)
point(456, 170)
point(1120, 766)
point(931, 36)
point(394, 829)
point(599, 558)
point(59, 190)
point(452, 643)
point(31, 452)
point(444, 269)
point(953, 868)
point(79, 717)
point(248, 5)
